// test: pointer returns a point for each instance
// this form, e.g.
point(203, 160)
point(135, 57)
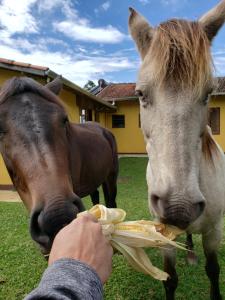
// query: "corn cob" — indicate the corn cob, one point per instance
point(130, 237)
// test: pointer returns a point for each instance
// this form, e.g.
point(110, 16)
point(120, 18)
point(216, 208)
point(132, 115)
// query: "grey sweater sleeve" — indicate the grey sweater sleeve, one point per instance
point(68, 279)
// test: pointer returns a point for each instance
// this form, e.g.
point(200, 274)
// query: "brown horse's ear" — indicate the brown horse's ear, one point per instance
point(140, 31)
point(213, 20)
point(55, 85)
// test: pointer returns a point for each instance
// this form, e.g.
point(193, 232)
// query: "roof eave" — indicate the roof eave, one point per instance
point(218, 94)
point(23, 69)
point(52, 75)
point(132, 98)
point(79, 90)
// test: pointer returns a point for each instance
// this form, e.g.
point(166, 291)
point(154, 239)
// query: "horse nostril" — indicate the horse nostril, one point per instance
point(36, 231)
point(46, 223)
point(77, 202)
point(158, 204)
point(154, 199)
point(200, 207)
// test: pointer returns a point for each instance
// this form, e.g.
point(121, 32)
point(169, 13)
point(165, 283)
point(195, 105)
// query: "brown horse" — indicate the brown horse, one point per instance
point(52, 162)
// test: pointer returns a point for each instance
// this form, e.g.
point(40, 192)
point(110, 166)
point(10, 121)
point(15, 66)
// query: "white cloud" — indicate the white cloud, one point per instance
point(219, 62)
point(79, 63)
point(66, 6)
point(46, 5)
point(174, 5)
point(144, 2)
point(80, 29)
point(168, 2)
point(106, 5)
point(173, 2)
point(77, 67)
point(16, 16)
point(85, 32)
point(68, 9)
point(102, 8)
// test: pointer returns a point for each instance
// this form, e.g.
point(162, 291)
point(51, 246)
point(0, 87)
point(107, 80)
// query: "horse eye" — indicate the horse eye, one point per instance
point(206, 100)
point(2, 133)
point(65, 120)
point(138, 93)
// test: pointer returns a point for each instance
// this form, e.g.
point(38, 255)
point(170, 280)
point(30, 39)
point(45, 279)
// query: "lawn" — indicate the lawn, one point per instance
point(21, 263)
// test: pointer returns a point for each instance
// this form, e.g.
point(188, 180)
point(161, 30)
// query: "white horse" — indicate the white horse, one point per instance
point(186, 169)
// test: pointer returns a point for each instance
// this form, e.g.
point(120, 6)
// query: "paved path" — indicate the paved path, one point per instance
point(9, 196)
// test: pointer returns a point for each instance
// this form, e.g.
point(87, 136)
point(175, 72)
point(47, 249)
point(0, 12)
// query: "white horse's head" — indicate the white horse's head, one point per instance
point(174, 84)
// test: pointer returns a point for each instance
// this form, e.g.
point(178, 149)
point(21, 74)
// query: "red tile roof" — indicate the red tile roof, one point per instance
point(46, 72)
point(21, 64)
point(120, 91)
point(117, 91)
point(220, 85)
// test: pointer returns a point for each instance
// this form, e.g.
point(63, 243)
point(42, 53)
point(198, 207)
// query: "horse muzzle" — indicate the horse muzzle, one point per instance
point(45, 223)
point(180, 213)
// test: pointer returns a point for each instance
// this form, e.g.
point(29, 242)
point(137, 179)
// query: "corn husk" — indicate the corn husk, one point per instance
point(131, 237)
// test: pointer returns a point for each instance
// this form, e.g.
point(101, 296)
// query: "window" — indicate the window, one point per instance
point(82, 116)
point(214, 119)
point(85, 115)
point(88, 115)
point(118, 121)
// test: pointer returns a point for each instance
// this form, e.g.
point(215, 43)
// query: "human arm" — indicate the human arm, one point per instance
point(80, 262)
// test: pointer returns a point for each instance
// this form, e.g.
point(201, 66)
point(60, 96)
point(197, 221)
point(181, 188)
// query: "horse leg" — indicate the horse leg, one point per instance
point(192, 259)
point(211, 243)
point(110, 191)
point(95, 197)
point(171, 283)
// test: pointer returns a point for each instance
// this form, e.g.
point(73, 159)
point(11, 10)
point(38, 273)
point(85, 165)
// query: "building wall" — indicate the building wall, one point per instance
point(129, 139)
point(103, 118)
point(69, 101)
point(7, 74)
point(219, 101)
point(4, 176)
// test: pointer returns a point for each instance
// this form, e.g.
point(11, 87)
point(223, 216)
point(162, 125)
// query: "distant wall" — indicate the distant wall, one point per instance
point(129, 139)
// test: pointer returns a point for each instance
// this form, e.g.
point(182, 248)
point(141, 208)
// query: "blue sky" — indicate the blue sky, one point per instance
point(84, 40)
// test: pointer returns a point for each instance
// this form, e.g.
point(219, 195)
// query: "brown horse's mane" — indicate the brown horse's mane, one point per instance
point(20, 85)
point(180, 54)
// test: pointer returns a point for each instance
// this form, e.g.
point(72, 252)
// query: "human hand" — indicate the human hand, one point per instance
point(83, 240)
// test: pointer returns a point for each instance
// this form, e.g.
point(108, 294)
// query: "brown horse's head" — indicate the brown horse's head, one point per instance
point(34, 142)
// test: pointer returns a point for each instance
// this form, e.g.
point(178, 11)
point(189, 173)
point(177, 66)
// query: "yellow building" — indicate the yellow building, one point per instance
point(79, 103)
point(217, 113)
point(125, 122)
point(116, 107)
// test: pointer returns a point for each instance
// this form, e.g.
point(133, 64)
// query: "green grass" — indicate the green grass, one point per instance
point(21, 263)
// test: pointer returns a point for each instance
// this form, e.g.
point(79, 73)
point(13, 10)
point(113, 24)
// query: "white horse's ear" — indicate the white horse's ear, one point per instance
point(213, 20)
point(55, 85)
point(140, 31)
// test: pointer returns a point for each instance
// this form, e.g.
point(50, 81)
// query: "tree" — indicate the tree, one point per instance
point(89, 85)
